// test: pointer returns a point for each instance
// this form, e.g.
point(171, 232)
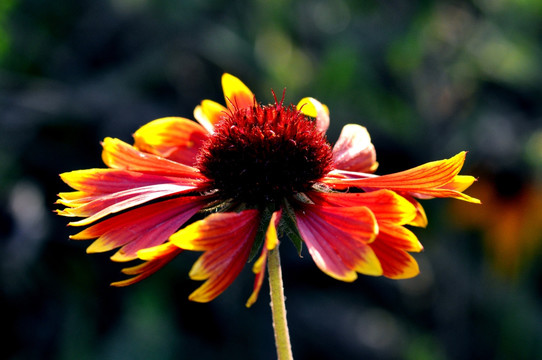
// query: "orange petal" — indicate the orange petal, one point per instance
point(119, 155)
point(427, 176)
point(386, 205)
point(421, 218)
point(226, 239)
point(424, 181)
point(337, 239)
point(237, 94)
point(168, 251)
point(208, 114)
point(271, 241)
point(173, 138)
point(399, 237)
point(313, 108)
point(354, 151)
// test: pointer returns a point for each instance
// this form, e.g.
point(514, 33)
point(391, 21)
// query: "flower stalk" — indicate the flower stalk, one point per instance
point(278, 307)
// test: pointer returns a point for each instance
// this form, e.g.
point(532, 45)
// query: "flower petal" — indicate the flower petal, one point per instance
point(337, 239)
point(173, 138)
point(386, 205)
point(123, 200)
point(226, 239)
point(271, 241)
point(313, 108)
point(166, 253)
point(460, 183)
point(421, 218)
point(237, 94)
point(427, 176)
point(208, 114)
point(354, 151)
point(396, 263)
point(390, 210)
point(119, 155)
point(159, 233)
point(425, 181)
point(95, 182)
point(399, 237)
point(143, 227)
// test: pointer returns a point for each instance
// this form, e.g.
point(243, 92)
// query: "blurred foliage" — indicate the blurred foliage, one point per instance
point(427, 78)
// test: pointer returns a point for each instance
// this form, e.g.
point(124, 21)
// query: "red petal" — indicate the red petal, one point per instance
point(122, 200)
point(93, 182)
point(226, 239)
point(337, 239)
point(141, 228)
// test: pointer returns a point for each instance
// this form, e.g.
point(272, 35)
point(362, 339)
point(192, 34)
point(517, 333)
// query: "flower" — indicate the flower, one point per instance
point(510, 223)
point(229, 184)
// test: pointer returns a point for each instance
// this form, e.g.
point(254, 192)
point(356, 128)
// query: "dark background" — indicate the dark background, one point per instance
point(427, 78)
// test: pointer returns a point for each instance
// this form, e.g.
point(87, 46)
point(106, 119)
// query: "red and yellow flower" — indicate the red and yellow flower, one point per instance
point(230, 184)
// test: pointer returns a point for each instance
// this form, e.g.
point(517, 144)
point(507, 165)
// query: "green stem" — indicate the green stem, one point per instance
point(278, 307)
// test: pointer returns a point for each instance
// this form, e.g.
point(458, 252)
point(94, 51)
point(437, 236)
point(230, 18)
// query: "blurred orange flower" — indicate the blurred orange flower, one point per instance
point(510, 222)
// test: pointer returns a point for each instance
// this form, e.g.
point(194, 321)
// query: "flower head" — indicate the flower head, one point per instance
point(259, 155)
point(230, 184)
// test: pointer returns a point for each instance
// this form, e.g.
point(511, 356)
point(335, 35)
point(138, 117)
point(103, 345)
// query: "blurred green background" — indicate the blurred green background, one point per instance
point(427, 78)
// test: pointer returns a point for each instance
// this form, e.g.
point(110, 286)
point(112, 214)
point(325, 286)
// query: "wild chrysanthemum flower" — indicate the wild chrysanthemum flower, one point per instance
point(230, 183)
